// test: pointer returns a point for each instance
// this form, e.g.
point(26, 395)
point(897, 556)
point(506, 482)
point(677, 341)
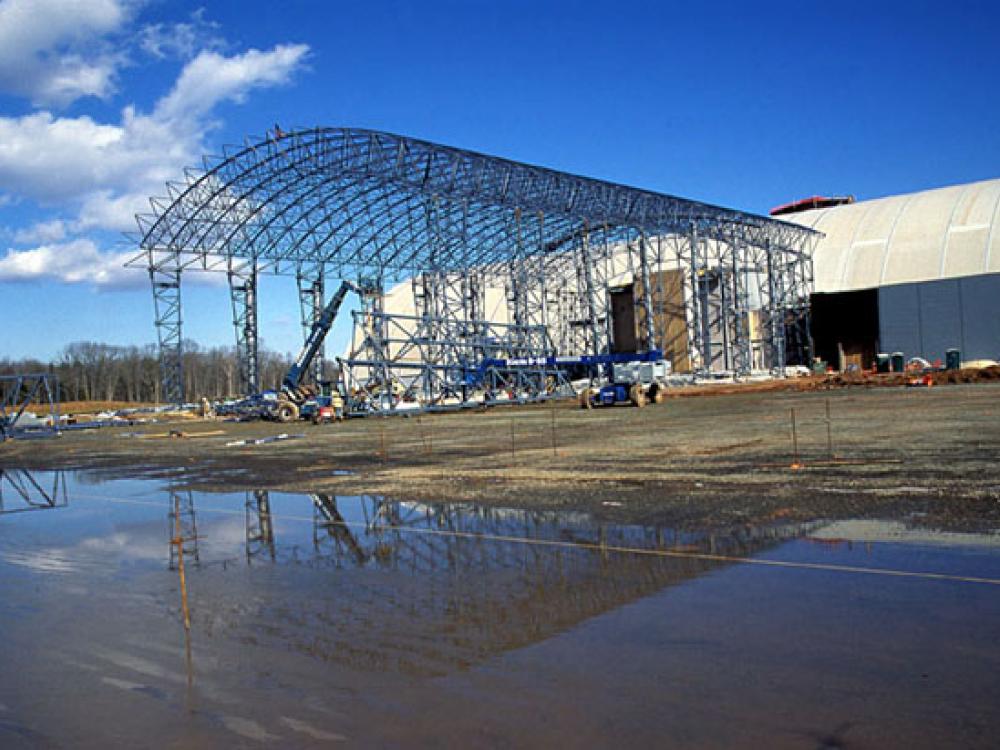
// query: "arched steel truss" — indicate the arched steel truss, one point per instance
point(329, 203)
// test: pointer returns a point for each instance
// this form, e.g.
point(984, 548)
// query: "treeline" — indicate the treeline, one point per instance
point(90, 371)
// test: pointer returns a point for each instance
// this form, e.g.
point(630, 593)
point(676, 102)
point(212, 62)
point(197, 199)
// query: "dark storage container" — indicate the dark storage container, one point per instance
point(898, 362)
point(953, 359)
point(882, 362)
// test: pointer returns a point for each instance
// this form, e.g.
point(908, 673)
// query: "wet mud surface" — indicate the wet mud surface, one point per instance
point(327, 619)
point(913, 453)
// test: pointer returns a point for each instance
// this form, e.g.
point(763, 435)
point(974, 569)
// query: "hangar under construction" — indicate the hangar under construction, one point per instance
point(471, 265)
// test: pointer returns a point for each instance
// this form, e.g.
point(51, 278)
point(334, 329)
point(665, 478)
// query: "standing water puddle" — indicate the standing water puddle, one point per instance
point(318, 619)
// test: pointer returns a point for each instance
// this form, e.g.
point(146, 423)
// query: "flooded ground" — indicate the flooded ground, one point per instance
point(319, 619)
point(691, 462)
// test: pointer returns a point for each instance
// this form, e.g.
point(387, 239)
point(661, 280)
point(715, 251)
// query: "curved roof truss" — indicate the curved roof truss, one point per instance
point(376, 203)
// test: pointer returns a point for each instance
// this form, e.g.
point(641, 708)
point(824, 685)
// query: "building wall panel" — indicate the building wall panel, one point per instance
point(899, 319)
point(926, 319)
point(981, 317)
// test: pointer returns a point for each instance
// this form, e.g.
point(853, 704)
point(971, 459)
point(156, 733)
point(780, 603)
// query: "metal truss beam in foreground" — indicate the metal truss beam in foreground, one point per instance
point(328, 203)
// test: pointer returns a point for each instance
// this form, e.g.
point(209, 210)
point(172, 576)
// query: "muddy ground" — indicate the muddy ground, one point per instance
point(927, 455)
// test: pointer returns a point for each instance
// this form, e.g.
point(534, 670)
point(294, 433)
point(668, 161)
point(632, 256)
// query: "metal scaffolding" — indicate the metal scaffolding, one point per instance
point(17, 393)
point(338, 203)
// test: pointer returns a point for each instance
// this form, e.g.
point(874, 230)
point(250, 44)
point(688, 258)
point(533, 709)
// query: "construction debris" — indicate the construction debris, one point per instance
point(170, 434)
point(263, 440)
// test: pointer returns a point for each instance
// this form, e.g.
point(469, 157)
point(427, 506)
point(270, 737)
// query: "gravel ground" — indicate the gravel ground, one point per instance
point(925, 455)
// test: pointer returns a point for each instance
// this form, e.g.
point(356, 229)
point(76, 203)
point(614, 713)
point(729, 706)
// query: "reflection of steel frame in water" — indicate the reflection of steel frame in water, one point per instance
point(493, 579)
point(17, 392)
point(182, 507)
point(260, 527)
point(29, 492)
point(434, 537)
point(329, 526)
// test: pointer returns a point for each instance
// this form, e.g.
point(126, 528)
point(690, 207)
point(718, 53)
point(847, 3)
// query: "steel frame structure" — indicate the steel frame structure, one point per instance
point(17, 392)
point(327, 203)
point(433, 358)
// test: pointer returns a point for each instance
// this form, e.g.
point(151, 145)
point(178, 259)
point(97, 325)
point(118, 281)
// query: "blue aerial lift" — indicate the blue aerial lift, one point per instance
point(633, 377)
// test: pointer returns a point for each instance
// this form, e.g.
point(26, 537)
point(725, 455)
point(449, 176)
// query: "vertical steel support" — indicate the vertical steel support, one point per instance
point(805, 290)
point(776, 310)
point(165, 278)
point(742, 355)
point(310, 280)
point(243, 292)
point(590, 293)
point(698, 331)
point(705, 304)
point(427, 291)
point(647, 293)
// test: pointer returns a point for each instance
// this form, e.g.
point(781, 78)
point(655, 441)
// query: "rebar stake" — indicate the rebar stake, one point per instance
point(179, 541)
point(555, 452)
point(829, 432)
point(795, 443)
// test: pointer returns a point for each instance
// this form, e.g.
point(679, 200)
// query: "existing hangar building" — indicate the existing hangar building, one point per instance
point(917, 274)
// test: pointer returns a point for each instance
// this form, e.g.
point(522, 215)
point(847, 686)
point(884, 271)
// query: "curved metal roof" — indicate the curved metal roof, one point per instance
point(362, 200)
point(925, 236)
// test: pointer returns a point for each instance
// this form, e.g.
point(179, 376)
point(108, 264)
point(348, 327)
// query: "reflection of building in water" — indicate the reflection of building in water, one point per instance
point(331, 528)
point(866, 531)
point(426, 588)
point(22, 490)
point(183, 527)
point(260, 528)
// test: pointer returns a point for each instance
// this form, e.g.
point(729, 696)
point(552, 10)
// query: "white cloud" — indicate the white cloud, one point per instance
point(211, 78)
point(55, 51)
point(108, 210)
point(51, 159)
point(97, 175)
point(181, 40)
point(43, 231)
point(73, 262)
point(103, 174)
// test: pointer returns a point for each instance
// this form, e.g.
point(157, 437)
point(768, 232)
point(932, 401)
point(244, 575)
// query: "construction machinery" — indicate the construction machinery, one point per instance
point(285, 404)
point(631, 381)
point(631, 377)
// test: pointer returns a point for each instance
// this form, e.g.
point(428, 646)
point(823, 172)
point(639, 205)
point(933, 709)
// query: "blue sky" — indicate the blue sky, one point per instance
point(741, 104)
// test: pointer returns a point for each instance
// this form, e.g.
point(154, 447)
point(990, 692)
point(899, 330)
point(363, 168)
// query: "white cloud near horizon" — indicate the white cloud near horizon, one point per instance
point(82, 261)
point(72, 262)
point(95, 176)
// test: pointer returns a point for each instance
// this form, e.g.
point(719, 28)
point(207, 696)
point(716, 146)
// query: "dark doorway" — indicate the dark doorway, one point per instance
point(845, 328)
point(623, 338)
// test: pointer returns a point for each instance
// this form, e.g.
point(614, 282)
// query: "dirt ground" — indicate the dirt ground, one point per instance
point(927, 455)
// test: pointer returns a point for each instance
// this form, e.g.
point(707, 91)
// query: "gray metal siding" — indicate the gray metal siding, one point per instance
point(981, 317)
point(898, 319)
point(926, 319)
point(940, 318)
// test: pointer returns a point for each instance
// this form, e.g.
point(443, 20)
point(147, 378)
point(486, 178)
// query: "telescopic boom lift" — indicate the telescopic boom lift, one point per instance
point(293, 394)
